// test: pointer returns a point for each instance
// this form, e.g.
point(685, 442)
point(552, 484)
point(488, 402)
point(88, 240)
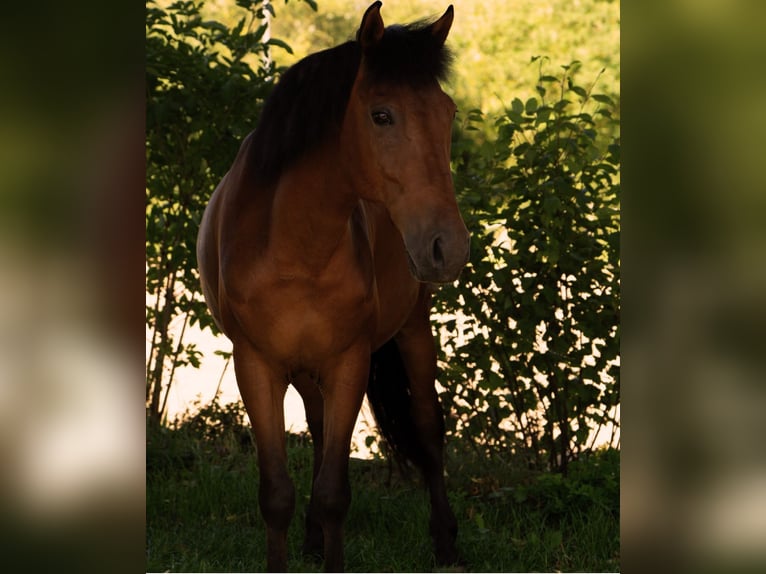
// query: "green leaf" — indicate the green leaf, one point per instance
point(580, 91)
point(521, 148)
point(601, 98)
point(281, 44)
point(479, 520)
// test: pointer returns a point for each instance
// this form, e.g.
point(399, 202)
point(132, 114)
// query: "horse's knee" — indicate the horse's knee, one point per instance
point(429, 423)
point(331, 500)
point(277, 501)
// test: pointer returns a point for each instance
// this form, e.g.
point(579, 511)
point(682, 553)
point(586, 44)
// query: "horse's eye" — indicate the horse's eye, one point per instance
point(382, 118)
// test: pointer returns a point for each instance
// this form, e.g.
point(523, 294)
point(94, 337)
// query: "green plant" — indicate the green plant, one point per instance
point(205, 85)
point(531, 363)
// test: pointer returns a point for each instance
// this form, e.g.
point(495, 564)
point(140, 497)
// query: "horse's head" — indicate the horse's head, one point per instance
point(397, 132)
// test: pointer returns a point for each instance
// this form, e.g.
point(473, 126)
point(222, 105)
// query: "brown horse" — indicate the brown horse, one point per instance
point(318, 252)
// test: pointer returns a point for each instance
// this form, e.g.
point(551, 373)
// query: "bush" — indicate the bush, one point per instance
point(213, 431)
point(205, 87)
point(530, 333)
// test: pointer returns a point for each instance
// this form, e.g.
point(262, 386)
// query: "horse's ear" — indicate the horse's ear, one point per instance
point(371, 30)
point(441, 27)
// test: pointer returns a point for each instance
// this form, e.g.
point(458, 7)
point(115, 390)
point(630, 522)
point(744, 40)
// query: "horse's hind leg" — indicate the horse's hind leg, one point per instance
point(307, 387)
point(263, 392)
point(418, 352)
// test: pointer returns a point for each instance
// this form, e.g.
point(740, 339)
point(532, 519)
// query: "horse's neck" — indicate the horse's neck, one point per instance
point(310, 213)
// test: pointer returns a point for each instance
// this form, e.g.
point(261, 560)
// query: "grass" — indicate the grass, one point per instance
point(202, 514)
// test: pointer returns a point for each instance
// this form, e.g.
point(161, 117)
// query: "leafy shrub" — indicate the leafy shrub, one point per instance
point(530, 333)
point(205, 86)
point(592, 481)
point(214, 421)
point(204, 431)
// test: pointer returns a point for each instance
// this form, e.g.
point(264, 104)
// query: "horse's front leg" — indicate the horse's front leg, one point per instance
point(418, 351)
point(263, 391)
point(343, 383)
point(313, 403)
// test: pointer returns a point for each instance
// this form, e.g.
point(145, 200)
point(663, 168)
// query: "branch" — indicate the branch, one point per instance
point(163, 412)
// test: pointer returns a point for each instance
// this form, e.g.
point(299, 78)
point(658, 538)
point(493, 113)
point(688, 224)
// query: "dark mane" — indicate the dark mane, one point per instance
point(309, 101)
point(408, 55)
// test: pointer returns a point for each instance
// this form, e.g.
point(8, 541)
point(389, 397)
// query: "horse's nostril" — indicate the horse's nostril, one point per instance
point(438, 253)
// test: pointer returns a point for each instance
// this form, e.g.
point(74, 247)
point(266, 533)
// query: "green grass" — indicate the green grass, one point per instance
point(202, 514)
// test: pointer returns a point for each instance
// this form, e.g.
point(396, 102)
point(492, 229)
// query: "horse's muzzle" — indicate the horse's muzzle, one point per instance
point(441, 257)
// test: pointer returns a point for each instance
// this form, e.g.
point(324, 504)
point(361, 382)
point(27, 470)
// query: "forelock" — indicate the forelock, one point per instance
point(408, 55)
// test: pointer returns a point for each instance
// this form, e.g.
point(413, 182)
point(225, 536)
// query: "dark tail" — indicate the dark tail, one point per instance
point(388, 393)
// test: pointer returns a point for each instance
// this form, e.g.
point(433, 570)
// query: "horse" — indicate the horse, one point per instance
point(318, 254)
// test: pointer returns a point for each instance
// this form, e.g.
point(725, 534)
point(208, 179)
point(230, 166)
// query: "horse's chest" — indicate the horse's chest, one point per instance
point(305, 321)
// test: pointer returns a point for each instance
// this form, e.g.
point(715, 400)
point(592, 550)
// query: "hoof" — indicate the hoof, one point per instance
point(312, 553)
point(449, 561)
